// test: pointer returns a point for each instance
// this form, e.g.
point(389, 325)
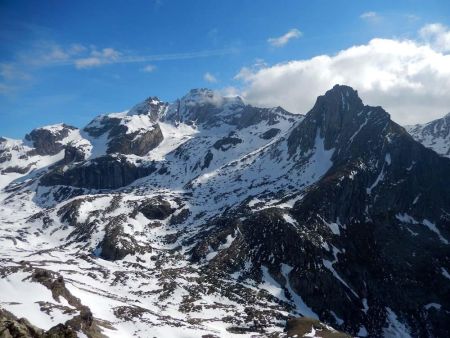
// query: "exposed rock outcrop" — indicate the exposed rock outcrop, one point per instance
point(106, 172)
point(46, 141)
point(138, 143)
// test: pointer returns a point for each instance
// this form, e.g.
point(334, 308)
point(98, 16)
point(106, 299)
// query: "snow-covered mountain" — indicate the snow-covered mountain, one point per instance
point(434, 135)
point(210, 217)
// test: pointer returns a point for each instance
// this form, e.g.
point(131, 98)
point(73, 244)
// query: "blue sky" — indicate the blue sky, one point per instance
point(67, 61)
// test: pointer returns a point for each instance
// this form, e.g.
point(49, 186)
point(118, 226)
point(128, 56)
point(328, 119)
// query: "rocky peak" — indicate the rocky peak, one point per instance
point(203, 106)
point(151, 106)
point(340, 99)
point(205, 96)
point(47, 140)
point(337, 117)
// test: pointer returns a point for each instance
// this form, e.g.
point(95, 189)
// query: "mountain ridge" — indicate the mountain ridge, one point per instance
point(211, 206)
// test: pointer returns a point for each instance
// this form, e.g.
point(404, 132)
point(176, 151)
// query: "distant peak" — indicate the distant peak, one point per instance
point(152, 105)
point(153, 100)
point(201, 96)
point(201, 91)
point(55, 127)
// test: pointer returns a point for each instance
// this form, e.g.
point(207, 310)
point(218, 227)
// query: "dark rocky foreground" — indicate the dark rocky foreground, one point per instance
point(13, 327)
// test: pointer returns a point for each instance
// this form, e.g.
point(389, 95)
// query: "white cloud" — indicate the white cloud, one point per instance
point(369, 15)
point(437, 35)
point(208, 77)
point(10, 72)
point(229, 91)
point(410, 79)
point(149, 69)
point(76, 48)
point(97, 58)
point(112, 56)
point(294, 33)
point(49, 53)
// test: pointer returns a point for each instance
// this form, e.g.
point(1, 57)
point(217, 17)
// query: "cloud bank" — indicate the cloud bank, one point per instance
point(409, 78)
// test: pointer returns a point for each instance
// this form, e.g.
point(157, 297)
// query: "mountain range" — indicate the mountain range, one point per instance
point(209, 217)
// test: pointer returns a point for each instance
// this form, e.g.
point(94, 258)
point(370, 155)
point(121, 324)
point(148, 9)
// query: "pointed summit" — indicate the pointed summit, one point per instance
point(152, 106)
point(339, 101)
point(203, 106)
point(338, 116)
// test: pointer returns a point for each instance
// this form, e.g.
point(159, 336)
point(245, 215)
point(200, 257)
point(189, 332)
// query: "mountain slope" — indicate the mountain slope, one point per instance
point(434, 135)
point(210, 216)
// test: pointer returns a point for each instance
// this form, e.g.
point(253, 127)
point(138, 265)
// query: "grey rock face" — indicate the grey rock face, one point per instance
point(151, 106)
point(120, 140)
point(46, 142)
point(101, 125)
point(106, 172)
point(156, 209)
point(13, 327)
point(226, 143)
point(134, 143)
point(271, 133)
point(73, 154)
point(117, 244)
point(302, 326)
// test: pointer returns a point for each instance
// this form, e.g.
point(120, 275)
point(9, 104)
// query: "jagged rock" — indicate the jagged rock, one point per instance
point(181, 217)
point(207, 160)
point(156, 209)
point(46, 140)
point(226, 143)
point(117, 244)
point(152, 106)
point(306, 327)
point(134, 133)
point(252, 115)
point(271, 133)
point(73, 154)
point(18, 170)
point(202, 106)
point(12, 327)
point(138, 143)
point(106, 172)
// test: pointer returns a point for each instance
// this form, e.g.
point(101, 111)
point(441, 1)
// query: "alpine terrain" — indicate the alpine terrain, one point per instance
point(209, 217)
point(434, 134)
